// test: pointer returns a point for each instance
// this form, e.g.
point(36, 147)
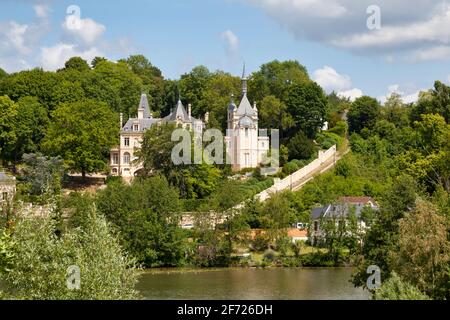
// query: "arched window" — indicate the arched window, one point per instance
point(114, 170)
point(126, 158)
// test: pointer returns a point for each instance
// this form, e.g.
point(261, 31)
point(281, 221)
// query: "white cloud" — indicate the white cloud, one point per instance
point(86, 30)
point(351, 94)
point(434, 30)
point(53, 58)
point(330, 80)
point(433, 53)
point(411, 30)
point(13, 38)
point(410, 97)
point(41, 11)
point(231, 42)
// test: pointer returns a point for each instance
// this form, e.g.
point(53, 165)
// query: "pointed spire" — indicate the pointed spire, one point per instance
point(244, 81)
point(144, 108)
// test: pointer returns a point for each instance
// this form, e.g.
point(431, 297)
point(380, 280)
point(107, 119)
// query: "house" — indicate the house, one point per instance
point(7, 188)
point(296, 234)
point(340, 211)
point(246, 145)
point(131, 134)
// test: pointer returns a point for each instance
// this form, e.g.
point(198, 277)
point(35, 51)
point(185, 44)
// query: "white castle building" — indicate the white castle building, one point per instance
point(122, 157)
point(245, 148)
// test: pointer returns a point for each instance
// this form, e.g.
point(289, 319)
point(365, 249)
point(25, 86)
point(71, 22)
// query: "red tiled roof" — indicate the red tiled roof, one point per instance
point(363, 200)
point(297, 233)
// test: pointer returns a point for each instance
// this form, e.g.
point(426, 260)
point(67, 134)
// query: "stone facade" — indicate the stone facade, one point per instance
point(122, 157)
point(246, 148)
point(7, 188)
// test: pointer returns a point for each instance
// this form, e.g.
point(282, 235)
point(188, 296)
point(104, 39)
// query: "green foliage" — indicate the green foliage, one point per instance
point(193, 180)
point(40, 261)
point(364, 113)
point(77, 63)
point(146, 216)
point(300, 147)
point(435, 101)
point(82, 133)
point(43, 174)
point(307, 105)
point(397, 289)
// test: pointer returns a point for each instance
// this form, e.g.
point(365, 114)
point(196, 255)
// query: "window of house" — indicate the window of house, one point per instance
point(316, 225)
point(246, 132)
point(114, 170)
point(126, 158)
point(115, 158)
point(136, 127)
point(5, 195)
point(126, 142)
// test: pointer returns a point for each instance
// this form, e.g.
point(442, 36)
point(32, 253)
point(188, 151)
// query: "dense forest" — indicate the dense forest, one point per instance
point(52, 123)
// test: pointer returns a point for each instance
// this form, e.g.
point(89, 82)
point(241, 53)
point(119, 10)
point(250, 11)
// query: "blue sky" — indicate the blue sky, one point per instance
point(329, 37)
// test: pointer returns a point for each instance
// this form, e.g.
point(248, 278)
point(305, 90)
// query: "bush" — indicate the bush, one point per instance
point(40, 260)
point(269, 255)
point(396, 289)
point(290, 168)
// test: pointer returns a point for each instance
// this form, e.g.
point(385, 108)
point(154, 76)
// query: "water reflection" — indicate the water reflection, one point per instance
point(258, 284)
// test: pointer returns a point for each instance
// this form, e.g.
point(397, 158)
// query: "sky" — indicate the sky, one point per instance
point(354, 47)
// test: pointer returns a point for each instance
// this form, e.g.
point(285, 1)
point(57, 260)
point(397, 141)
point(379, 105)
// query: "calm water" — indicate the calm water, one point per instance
point(258, 284)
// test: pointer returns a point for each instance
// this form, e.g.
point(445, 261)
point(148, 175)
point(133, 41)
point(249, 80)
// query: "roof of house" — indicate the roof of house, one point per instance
point(245, 108)
point(343, 207)
point(297, 233)
point(144, 123)
point(357, 200)
point(143, 104)
point(180, 114)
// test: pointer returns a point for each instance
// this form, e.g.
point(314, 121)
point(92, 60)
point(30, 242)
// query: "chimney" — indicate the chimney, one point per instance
point(189, 110)
point(206, 117)
point(121, 121)
point(140, 113)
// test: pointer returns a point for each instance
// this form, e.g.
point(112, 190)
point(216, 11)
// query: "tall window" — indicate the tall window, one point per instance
point(126, 158)
point(126, 142)
point(246, 132)
point(115, 158)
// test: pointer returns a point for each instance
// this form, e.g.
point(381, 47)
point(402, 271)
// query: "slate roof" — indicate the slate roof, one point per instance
point(245, 108)
point(144, 124)
point(341, 209)
point(143, 104)
point(179, 113)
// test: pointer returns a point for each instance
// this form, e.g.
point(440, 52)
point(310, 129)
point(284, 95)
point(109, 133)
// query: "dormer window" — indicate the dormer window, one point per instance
point(135, 127)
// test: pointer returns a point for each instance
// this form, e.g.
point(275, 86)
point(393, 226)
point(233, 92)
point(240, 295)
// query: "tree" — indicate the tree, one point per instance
point(273, 114)
point(77, 63)
point(3, 74)
point(43, 174)
point(82, 133)
point(397, 289)
point(307, 105)
point(395, 111)
point(40, 261)
point(8, 136)
point(364, 113)
point(382, 237)
point(423, 257)
point(275, 77)
point(300, 147)
point(146, 216)
point(435, 101)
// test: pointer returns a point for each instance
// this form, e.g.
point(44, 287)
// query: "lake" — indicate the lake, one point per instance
point(249, 284)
